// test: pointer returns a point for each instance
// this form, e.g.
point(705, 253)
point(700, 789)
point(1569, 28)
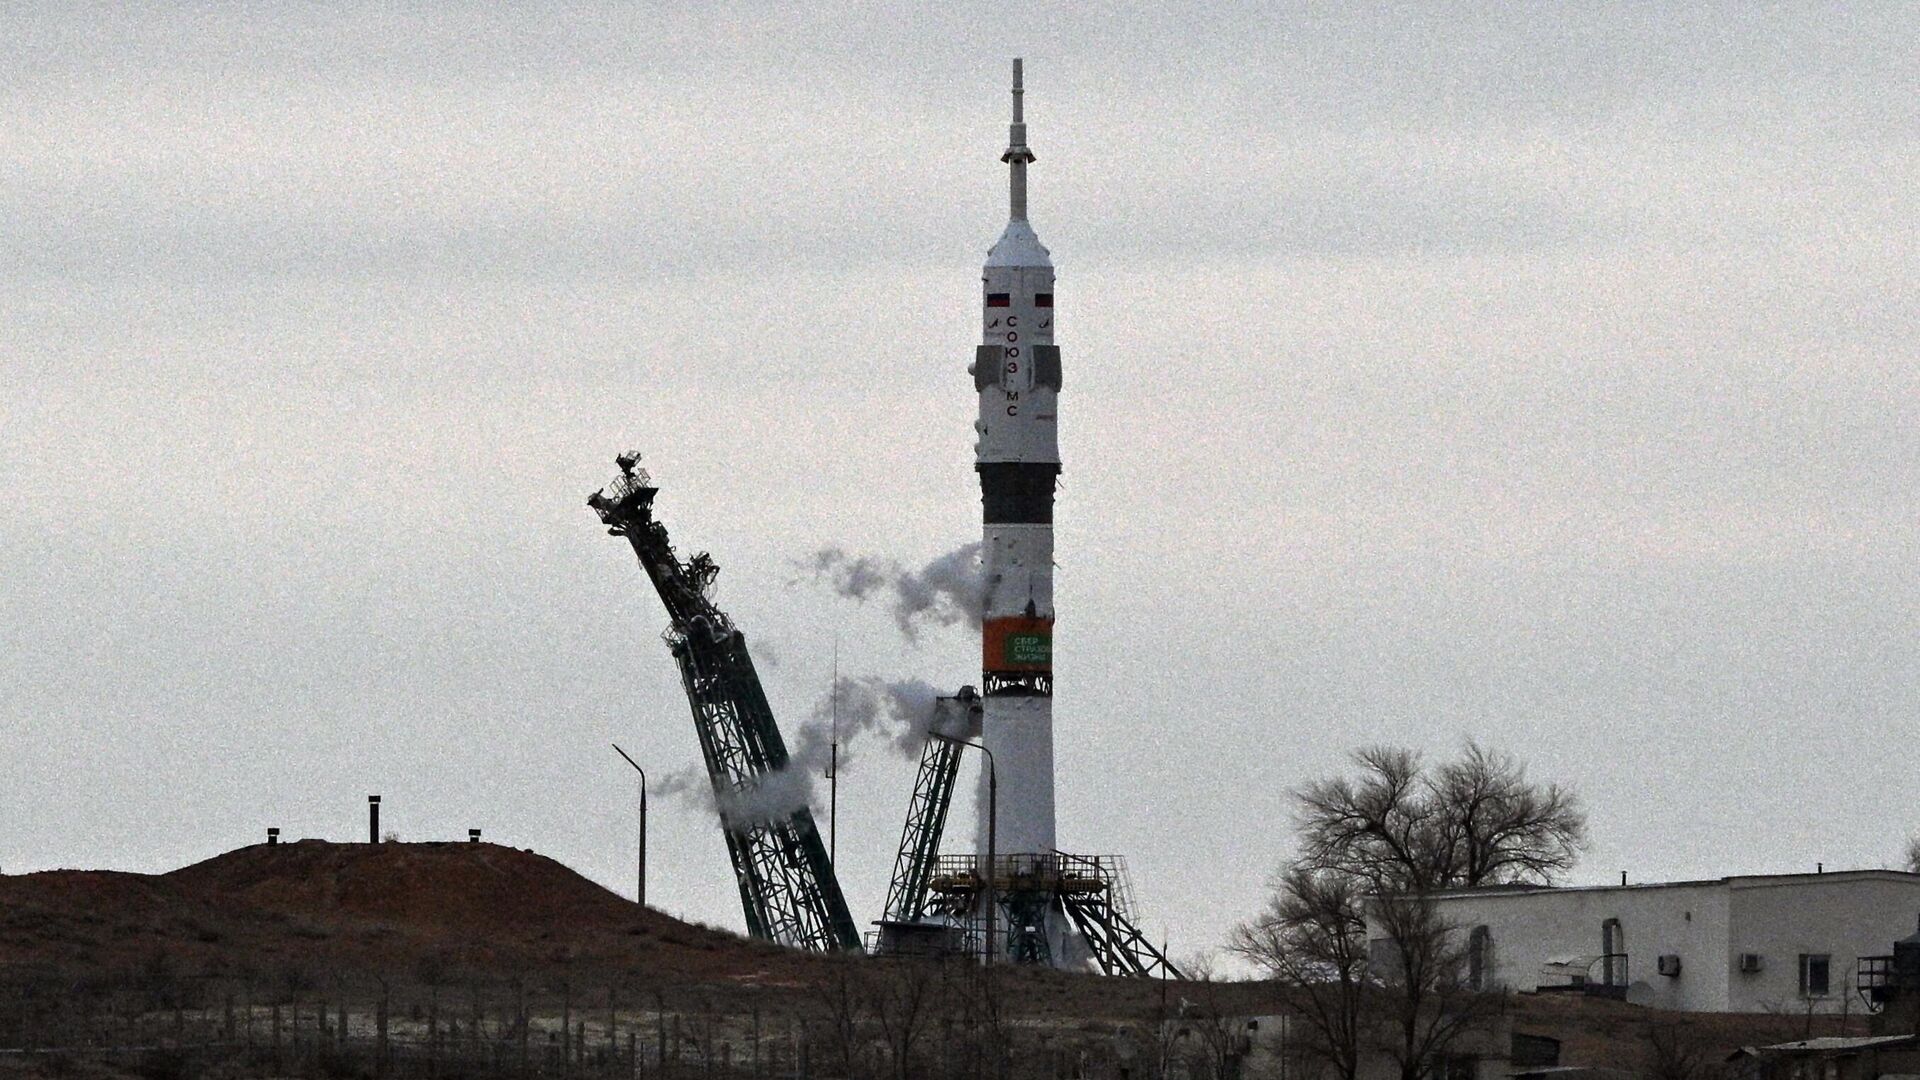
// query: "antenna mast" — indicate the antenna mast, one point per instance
point(833, 763)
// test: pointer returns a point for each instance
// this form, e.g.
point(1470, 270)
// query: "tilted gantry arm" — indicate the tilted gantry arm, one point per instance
point(787, 885)
point(626, 508)
point(956, 717)
point(920, 838)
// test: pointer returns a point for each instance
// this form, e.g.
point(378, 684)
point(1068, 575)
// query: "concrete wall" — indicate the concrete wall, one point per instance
point(1708, 925)
point(1846, 916)
point(1528, 929)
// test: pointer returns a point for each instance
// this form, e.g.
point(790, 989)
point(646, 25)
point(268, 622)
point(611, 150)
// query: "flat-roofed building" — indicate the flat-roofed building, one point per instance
point(1734, 944)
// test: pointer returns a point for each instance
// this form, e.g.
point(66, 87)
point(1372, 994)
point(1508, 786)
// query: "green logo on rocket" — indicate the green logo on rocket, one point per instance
point(1030, 648)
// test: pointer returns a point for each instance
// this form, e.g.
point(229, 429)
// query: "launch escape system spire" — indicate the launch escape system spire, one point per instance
point(1018, 897)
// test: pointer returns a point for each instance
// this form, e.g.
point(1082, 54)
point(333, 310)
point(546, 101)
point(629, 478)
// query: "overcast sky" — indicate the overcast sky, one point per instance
point(1540, 375)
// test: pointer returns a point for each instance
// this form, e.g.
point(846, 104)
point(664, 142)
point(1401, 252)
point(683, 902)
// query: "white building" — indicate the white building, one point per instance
point(1737, 944)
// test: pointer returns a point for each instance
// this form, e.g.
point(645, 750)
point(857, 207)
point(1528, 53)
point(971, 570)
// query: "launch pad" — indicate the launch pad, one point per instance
point(1093, 891)
point(1019, 898)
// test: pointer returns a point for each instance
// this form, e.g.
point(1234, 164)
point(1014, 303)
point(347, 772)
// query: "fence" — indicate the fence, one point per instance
point(189, 1028)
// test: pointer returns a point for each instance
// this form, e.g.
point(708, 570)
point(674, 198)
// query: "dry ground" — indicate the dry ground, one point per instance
point(466, 941)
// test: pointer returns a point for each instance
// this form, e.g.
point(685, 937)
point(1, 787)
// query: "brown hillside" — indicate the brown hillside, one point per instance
point(362, 909)
point(479, 886)
point(500, 930)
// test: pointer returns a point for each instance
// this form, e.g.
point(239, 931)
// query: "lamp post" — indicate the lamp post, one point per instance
point(833, 765)
point(641, 894)
point(993, 831)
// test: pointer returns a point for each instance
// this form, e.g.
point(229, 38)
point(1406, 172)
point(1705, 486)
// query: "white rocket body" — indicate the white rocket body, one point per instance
point(1018, 432)
point(1016, 371)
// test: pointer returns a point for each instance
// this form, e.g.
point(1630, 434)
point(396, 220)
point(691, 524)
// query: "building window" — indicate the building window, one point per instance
point(1813, 974)
point(1613, 953)
point(1477, 944)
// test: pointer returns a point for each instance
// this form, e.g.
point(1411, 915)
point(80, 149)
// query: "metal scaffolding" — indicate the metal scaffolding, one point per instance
point(1103, 917)
point(1094, 891)
point(955, 718)
point(787, 884)
point(920, 839)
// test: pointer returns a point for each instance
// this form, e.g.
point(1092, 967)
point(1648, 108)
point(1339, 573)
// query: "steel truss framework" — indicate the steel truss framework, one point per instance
point(1117, 944)
point(1026, 920)
point(787, 884)
point(1093, 890)
point(920, 839)
point(1102, 917)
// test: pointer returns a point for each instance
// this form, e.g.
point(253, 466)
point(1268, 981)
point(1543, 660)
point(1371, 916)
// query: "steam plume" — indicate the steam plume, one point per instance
point(946, 591)
point(903, 712)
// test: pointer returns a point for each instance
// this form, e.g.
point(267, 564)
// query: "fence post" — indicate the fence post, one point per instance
point(660, 1029)
point(380, 1032)
point(521, 990)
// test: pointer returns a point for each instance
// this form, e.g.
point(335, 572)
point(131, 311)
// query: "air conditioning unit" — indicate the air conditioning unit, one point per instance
point(1751, 962)
point(1670, 965)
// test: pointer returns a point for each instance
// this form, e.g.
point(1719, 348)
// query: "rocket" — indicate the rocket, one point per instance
point(1016, 370)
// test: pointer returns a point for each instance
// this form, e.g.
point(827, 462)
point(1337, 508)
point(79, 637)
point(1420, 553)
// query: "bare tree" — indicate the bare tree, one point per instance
point(1373, 848)
point(1426, 1004)
point(903, 998)
point(1312, 938)
point(1912, 865)
point(1208, 1035)
point(845, 1003)
point(1474, 821)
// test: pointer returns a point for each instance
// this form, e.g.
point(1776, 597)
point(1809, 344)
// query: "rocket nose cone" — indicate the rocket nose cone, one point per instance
point(1019, 245)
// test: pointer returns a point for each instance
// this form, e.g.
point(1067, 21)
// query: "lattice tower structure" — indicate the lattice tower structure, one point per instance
point(788, 889)
point(956, 719)
point(920, 838)
point(1093, 891)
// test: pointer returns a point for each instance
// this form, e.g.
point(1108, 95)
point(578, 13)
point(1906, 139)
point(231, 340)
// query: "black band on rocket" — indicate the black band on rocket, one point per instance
point(1017, 492)
point(1018, 683)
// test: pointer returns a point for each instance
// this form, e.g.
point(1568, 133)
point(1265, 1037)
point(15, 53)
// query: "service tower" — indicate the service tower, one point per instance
point(1016, 371)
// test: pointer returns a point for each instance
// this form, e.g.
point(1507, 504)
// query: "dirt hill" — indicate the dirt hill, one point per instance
point(326, 914)
point(465, 886)
point(387, 910)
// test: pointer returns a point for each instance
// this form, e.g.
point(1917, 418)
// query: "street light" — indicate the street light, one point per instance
point(641, 894)
point(993, 829)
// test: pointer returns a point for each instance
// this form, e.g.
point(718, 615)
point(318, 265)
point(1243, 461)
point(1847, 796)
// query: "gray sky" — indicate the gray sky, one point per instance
point(1542, 376)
